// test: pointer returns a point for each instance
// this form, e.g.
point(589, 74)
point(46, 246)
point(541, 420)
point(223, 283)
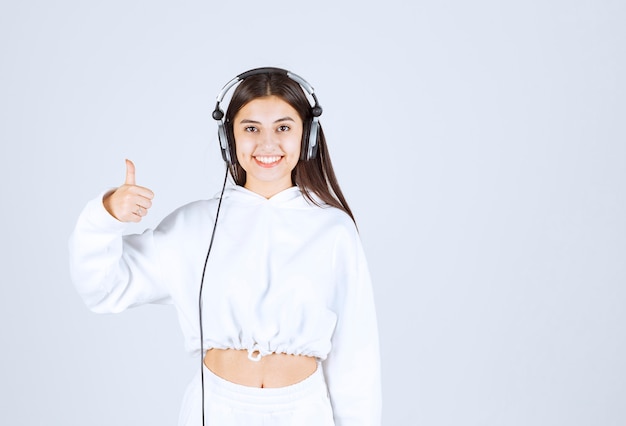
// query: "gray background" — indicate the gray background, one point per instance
point(480, 144)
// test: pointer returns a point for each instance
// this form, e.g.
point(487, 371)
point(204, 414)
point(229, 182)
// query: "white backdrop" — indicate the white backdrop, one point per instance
point(482, 146)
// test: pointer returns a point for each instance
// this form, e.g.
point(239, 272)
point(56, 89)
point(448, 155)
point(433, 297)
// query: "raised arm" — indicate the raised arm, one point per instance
point(111, 271)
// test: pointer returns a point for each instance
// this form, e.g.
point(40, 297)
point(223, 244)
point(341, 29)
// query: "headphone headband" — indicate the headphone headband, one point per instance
point(309, 145)
point(218, 114)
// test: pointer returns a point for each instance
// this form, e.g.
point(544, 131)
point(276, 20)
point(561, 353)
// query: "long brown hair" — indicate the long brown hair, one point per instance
point(311, 176)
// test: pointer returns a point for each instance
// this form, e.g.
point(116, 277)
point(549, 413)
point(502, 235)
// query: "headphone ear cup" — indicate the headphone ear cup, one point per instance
point(312, 143)
point(224, 145)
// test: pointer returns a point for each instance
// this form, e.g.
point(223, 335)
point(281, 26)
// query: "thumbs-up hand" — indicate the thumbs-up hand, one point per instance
point(129, 202)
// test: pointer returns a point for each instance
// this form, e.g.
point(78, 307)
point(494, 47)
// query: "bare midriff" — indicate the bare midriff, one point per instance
point(271, 371)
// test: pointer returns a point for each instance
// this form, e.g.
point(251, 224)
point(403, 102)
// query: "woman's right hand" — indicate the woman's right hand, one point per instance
point(129, 202)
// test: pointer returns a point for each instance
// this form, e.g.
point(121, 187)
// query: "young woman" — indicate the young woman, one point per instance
point(280, 310)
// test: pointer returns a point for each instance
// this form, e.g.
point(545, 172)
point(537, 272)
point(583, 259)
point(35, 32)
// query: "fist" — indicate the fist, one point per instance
point(129, 202)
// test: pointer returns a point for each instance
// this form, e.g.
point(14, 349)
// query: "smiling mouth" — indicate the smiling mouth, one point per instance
point(269, 159)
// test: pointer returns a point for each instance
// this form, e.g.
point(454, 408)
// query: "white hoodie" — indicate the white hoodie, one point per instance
point(283, 276)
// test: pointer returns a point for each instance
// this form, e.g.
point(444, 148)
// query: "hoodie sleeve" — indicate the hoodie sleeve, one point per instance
point(352, 367)
point(110, 270)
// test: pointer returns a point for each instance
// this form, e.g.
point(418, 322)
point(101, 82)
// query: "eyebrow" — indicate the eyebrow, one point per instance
point(247, 121)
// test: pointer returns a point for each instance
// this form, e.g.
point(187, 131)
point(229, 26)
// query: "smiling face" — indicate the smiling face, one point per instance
point(268, 135)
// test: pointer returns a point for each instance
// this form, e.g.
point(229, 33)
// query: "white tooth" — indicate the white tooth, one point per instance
point(268, 160)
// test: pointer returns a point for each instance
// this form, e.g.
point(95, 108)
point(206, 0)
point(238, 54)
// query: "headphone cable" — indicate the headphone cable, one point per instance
point(206, 260)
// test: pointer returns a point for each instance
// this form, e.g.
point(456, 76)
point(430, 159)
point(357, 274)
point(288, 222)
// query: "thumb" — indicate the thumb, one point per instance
point(130, 173)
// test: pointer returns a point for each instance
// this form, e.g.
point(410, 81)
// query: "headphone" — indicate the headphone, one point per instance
point(309, 147)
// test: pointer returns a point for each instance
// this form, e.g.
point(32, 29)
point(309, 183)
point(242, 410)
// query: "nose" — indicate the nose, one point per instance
point(267, 140)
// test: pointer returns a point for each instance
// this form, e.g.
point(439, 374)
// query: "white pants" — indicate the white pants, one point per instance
point(228, 404)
